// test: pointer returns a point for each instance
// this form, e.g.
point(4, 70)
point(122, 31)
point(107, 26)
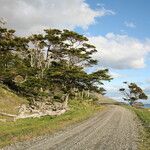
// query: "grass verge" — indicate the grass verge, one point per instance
point(144, 116)
point(26, 129)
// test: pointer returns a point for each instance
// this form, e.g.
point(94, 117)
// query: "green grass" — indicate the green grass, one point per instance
point(144, 116)
point(25, 129)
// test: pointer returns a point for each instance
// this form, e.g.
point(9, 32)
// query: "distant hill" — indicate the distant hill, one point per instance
point(104, 99)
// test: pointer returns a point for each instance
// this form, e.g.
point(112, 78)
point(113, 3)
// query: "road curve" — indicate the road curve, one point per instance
point(112, 129)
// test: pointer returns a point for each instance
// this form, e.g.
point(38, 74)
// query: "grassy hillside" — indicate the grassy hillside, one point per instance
point(9, 102)
point(104, 99)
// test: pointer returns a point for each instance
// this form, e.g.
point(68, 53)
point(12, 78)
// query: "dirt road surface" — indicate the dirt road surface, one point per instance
point(112, 129)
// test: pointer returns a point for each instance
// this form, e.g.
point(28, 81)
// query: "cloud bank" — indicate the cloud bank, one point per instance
point(120, 51)
point(29, 16)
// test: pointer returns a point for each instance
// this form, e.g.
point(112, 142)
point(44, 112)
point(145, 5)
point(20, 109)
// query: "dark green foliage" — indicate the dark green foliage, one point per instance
point(45, 64)
point(133, 93)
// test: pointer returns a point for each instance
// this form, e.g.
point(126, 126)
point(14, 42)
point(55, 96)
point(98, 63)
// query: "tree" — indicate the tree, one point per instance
point(64, 55)
point(133, 93)
point(53, 61)
point(77, 49)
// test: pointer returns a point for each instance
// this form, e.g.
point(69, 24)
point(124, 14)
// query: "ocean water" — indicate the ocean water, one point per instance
point(146, 105)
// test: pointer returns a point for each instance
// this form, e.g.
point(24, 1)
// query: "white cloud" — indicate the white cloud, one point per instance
point(129, 24)
point(33, 15)
point(99, 4)
point(120, 51)
point(115, 75)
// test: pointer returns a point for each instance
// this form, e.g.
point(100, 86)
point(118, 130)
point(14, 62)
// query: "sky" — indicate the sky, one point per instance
point(118, 28)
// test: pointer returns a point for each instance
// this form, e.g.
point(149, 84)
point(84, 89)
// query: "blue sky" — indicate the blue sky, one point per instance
point(126, 10)
point(118, 28)
point(131, 18)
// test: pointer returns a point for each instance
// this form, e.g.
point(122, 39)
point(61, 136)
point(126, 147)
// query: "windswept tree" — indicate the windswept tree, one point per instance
point(77, 49)
point(132, 93)
point(61, 56)
point(49, 62)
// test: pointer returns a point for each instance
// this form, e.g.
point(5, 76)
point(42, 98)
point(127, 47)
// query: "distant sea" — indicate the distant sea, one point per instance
point(146, 105)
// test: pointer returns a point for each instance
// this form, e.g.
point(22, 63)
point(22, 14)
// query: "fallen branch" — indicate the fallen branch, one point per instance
point(5, 114)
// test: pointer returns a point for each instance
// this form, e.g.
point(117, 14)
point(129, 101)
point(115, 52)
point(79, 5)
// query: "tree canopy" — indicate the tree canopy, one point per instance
point(54, 60)
point(132, 93)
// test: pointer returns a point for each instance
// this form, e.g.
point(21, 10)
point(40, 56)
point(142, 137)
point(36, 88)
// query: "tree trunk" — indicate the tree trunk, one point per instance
point(88, 93)
point(82, 94)
point(31, 62)
point(65, 103)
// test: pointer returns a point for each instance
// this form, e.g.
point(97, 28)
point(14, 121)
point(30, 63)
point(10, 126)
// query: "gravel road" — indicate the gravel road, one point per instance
point(112, 129)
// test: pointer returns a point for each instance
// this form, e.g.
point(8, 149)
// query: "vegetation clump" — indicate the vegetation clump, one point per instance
point(50, 66)
point(133, 93)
